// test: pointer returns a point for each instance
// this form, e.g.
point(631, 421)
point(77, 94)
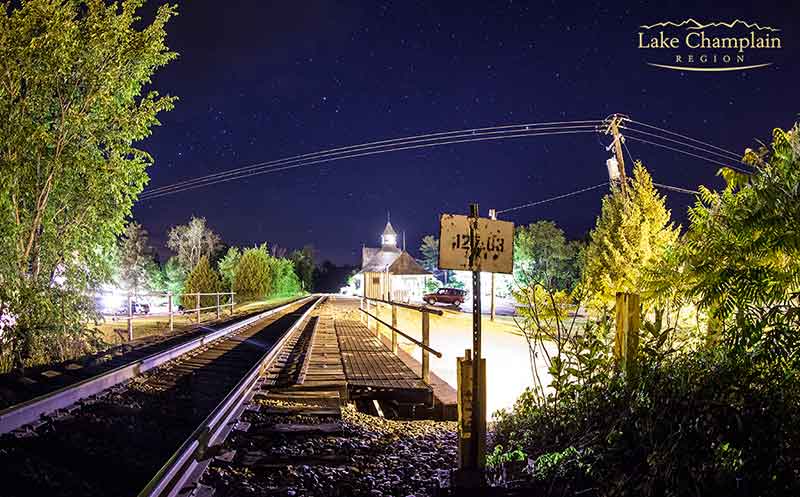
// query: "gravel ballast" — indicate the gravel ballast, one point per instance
point(368, 456)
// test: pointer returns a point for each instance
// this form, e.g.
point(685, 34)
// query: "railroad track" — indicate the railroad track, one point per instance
point(113, 442)
point(31, 410)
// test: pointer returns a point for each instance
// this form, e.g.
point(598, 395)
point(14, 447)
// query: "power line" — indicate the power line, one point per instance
point(677, 189)
point(682, 143)
point(551, 199)
point(324, 159)
point(666, 187)
point(425, 141)
point(278, 164)
point(688, 153)
point(684, 136)
point(388, 143)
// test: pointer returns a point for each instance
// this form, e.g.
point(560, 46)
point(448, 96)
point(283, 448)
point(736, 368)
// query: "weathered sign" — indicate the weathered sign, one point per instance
point(475, 244)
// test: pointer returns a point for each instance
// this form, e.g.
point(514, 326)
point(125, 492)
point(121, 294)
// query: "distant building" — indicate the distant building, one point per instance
point(390, 273)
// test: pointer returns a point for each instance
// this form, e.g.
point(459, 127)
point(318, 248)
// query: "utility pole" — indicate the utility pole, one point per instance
point(493, 216)
point(613, 129)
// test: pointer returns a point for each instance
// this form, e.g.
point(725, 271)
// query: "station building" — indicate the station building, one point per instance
point(390, 273)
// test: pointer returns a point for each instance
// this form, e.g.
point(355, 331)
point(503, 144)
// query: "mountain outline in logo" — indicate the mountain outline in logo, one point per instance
point(693, 24)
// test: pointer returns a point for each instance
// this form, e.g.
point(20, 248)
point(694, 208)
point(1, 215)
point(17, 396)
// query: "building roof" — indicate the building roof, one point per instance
point(395, 262)
point(389, 230)
point(368, 253)
point(405, 264)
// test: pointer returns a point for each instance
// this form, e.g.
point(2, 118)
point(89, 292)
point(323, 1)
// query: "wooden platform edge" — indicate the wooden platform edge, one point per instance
point(445, 396)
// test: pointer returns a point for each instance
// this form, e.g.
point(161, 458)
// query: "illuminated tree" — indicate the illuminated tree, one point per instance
point(138, 269)
point(254, 275)
point(202, 279)
point(193, 241)
point(542, 253)
point(227, 266)
point(286, 282)
point(174, 278)
point(430, 261)
point(740, 258)
point(74, 103)
point(632, 234)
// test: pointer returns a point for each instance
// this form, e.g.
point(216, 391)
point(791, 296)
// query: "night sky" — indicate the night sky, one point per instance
point(264, 80)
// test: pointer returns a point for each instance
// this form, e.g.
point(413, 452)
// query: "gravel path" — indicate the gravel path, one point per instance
point(367, 456)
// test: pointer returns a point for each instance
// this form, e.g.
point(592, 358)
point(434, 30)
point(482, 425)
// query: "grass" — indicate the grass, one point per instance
point(115, 329)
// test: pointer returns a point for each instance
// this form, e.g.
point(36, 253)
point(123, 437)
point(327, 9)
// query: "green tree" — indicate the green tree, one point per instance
point(303, 261)
point(430, 253)
point(254, 274)
point(286, 281)
point(227, 266)
point(74, 103)
point(137, 267)
point(202, 279)
point(542, 253)
point(174, 278)
point(430, 261)
point(632, 234)
point(740, 257)
point(193, 241)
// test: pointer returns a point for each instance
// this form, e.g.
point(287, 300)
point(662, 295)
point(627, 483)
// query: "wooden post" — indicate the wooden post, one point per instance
point(218, 306)
point(378, 323)
point(470, 463)
point(492, 215)
point(130, 318)
point(232, 303)
point(426, 339)
point(464, 389)
point(197, 300)
point(626, 340)
point(169, 305)
point(361, 306)
point(394, 326)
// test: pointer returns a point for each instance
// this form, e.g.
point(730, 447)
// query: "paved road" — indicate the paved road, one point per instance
point(503, 306)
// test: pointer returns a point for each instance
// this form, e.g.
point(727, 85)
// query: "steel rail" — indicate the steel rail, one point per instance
point(31, 410)
point(189, 462)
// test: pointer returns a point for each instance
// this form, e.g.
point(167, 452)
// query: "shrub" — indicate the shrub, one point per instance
point(709, 423)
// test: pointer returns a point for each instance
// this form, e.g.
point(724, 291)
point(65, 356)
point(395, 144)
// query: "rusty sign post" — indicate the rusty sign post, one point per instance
point(474, 244)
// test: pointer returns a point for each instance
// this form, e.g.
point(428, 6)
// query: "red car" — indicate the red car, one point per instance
point(451, 296)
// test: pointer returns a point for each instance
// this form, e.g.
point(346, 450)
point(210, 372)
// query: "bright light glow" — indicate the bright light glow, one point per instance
point(389, 239)
point(111, 302)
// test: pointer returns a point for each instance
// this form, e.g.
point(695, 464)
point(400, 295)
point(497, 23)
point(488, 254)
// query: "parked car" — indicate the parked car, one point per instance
point(451, 296)
point(136, 309)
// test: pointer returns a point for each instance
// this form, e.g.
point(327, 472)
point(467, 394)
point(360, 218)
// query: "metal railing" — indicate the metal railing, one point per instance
point(130, 316)
point(424, 344)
